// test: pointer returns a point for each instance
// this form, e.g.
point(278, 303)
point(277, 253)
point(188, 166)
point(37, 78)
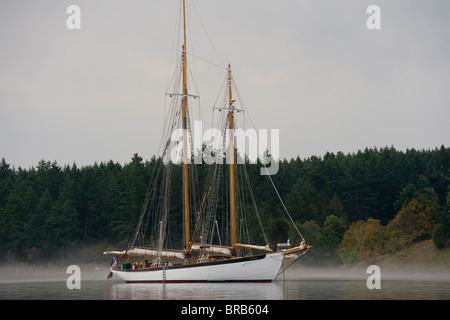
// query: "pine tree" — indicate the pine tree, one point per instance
point(19, 208)
point(34, 230)
point(63, 230)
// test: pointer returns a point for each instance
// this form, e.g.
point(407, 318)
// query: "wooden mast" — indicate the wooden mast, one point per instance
point(231, 159)
point(185, 150)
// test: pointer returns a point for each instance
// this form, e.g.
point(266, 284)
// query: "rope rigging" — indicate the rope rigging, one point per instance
point(204, 209)
point(265, 168)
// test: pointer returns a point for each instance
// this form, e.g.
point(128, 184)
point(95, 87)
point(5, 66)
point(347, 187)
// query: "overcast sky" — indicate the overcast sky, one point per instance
point(311, 69)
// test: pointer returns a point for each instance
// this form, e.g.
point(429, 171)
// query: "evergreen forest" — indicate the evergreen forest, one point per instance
point(354, 206)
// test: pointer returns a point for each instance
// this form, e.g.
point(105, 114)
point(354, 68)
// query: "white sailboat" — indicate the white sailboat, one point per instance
point(200, 260)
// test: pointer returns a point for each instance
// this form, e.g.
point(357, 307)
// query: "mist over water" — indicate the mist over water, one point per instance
point(25, 282)
point(17, 272)
point(300, 272)
point(93, 272)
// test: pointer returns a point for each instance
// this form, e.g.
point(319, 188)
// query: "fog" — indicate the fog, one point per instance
point(290, 271)
point(298, 271)
point(298, 282)
point(19, 272)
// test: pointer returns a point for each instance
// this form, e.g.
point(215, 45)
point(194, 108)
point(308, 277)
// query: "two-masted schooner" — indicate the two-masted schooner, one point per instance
point(200, 260)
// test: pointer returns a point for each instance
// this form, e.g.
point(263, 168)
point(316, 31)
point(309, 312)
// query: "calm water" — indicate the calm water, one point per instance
point(277, 290)
point(300, 284)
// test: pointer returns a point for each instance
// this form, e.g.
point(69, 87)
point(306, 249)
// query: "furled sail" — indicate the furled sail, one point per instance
point(252, 246)
point(226, 251)
point(141, 252)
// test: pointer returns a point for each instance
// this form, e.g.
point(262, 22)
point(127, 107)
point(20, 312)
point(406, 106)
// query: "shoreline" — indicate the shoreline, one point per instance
point(420, 261)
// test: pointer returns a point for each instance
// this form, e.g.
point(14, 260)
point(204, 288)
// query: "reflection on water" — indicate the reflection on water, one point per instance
point(357, 290)
point(196, 291)
point(277, 290)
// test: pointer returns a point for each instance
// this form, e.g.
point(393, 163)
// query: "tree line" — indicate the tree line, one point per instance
point(354, 205)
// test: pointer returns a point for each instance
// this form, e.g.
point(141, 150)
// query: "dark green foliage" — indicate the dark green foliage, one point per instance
point(331, 235)
point(48, 210)
point(439, 236)
point(277, 231)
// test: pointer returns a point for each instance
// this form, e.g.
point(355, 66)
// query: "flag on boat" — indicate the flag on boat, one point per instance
point(113, 265)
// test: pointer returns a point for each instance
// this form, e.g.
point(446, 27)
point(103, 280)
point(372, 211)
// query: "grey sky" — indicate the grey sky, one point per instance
point(309, 68)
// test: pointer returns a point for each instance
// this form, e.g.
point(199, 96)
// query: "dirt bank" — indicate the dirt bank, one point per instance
point(420, 257)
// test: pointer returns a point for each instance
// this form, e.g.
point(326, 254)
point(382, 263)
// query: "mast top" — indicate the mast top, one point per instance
point(184, 24)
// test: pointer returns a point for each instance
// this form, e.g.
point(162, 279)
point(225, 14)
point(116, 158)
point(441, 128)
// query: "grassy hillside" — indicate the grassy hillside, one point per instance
point(421, 257)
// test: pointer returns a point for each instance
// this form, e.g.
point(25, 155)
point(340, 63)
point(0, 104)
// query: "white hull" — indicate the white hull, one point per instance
point(263, 268)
